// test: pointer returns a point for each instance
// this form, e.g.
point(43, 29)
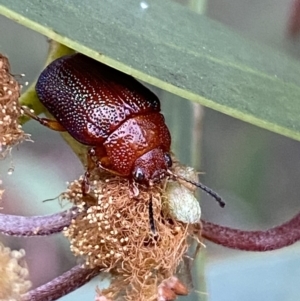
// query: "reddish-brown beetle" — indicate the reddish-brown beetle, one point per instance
point(111, 112)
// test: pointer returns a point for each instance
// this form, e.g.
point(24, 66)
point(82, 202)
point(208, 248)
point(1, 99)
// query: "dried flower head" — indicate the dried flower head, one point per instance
point(13, 274)
point(11, 132)
point(113, 232)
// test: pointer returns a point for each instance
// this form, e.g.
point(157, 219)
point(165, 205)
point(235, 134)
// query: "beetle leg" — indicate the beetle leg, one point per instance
point(133, 189)
point(50, 123)
point(96, 157)
point(85, 186)
point(102, 160)
point(100, 165)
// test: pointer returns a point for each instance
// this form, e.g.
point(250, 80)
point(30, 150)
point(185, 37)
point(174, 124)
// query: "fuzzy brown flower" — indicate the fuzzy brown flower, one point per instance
point(114, 232)
point(11, 132)
point(13, 274)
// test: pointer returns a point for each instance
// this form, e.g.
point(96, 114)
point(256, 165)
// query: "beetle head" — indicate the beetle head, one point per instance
point(151, 167)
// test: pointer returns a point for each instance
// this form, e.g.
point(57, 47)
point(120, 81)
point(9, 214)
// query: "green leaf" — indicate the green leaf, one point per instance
point(175, 49)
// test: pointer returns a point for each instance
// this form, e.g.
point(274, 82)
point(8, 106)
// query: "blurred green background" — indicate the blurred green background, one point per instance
point(257, 172)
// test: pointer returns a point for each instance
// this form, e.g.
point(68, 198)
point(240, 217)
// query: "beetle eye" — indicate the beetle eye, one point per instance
point(168, 160)
point(139, 175)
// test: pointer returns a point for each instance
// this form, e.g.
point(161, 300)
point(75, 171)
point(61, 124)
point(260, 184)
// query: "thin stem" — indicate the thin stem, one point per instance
point(15, 225)
point(62, 285)
point(271, 239)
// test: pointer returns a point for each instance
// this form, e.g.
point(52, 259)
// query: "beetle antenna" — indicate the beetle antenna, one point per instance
point(151, 217)
point(209, 191)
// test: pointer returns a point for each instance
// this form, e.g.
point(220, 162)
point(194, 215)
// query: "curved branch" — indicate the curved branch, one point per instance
point(15, 225)
point(271, 239)
point(62, 285)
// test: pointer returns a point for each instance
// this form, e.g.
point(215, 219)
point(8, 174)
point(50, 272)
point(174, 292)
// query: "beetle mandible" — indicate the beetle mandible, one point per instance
point(112, 113)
